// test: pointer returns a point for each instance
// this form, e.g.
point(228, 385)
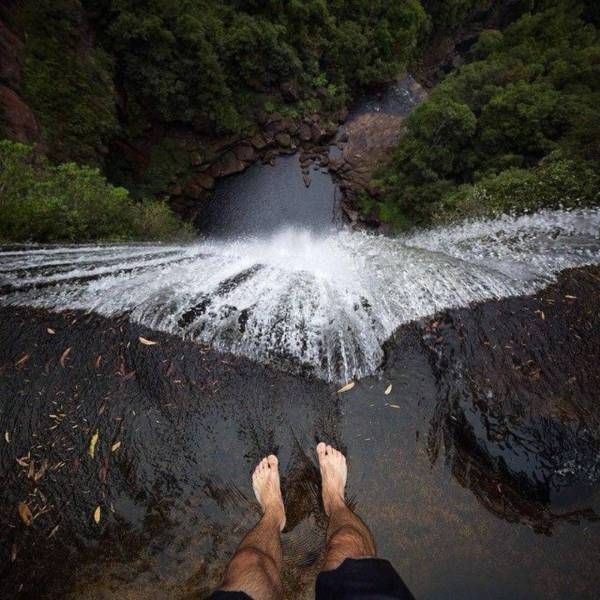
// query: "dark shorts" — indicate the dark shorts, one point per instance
point(364, 579)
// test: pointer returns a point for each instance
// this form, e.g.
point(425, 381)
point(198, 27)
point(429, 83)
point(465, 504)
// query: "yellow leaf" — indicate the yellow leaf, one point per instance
point(92, 446)
point(25, 513)
point(97, 514)
point(346, 387)
point(147, 342)
point(115, 446)
point(388, 390)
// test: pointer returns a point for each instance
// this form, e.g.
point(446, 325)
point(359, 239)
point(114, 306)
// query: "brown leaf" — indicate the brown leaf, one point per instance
point(22, 360)
point(98, 361)
point(31, 471)
point(42, 470)
point(346, 387)
point(102, 473)
point(25, 513)
point(147, 342)
point(13, 553)
point(63, 357)
point(23, 460)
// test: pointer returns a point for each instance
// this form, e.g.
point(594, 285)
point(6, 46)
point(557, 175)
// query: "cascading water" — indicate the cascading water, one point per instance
point(323, 302)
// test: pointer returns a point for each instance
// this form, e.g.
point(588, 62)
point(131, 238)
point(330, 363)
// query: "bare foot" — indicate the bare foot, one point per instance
point(333, 475)
point(265, 482)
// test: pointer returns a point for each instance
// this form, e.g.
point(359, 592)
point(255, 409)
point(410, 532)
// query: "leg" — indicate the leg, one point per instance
point(255, 568)
point(347, 535)
point(349, 539)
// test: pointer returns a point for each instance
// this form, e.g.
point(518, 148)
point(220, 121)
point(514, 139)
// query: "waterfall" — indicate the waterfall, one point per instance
point(322, 302)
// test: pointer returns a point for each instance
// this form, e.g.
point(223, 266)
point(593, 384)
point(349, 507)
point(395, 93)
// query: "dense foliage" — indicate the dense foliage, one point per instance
point(44, 203)
point(208, 63)
point(516, 128)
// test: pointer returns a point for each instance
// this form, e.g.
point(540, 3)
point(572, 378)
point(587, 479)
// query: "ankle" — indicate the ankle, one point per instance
point(275, 514)
point(333, 501)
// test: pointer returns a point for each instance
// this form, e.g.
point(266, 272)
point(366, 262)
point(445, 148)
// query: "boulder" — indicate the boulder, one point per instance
point(259, 142)
point(284, 140)
point(245, 152)
point(198, 185)
point(304, 132)
point(228, 164)
point(317, 133)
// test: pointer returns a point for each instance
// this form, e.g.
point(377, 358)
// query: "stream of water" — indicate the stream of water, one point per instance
point(321, 302)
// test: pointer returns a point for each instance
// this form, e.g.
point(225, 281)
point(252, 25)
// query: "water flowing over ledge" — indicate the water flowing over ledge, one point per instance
point(325, 303)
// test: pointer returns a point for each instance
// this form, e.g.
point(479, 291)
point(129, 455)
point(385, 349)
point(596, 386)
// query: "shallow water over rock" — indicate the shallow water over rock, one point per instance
point(478, 473)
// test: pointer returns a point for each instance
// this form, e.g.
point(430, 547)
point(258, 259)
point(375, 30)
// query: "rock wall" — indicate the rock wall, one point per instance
point(17, 120)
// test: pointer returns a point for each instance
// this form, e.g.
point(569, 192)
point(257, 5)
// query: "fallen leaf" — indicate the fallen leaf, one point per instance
point(22, 360)
point(54, 530)
point(388, 390)
point(50, 331)
point(346, 387)
point(570, 297)
point(92, 446)
point(394, 406)
point(31, 471)
point(7, 436)
point(147, 342)
point(102, 473)
point(115, 446)
point(97, 514)
point(63, 356)
point(98, 361)
point(25, 513)
point(23, 461)
point(42, 470)
point(13, 553)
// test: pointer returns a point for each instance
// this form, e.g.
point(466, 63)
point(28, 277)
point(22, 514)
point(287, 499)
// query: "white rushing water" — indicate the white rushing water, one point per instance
point(327, 302)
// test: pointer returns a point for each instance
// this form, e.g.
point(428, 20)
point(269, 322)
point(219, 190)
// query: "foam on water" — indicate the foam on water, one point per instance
point(324, 302)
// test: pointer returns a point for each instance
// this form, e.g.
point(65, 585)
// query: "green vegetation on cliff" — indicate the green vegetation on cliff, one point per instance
point(204, 63)
point(517, 128)
point(40, 202)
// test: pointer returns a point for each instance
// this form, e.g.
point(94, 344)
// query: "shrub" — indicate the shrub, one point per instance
point(44, 203)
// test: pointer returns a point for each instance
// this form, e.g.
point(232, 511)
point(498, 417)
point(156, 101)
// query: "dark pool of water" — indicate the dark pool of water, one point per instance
point(478, 473)
point(266, 198)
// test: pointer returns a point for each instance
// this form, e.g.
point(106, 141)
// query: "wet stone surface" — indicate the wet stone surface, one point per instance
point(478, 474)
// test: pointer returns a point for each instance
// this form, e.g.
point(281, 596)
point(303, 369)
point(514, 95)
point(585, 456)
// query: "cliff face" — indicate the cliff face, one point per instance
point(17, 120)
